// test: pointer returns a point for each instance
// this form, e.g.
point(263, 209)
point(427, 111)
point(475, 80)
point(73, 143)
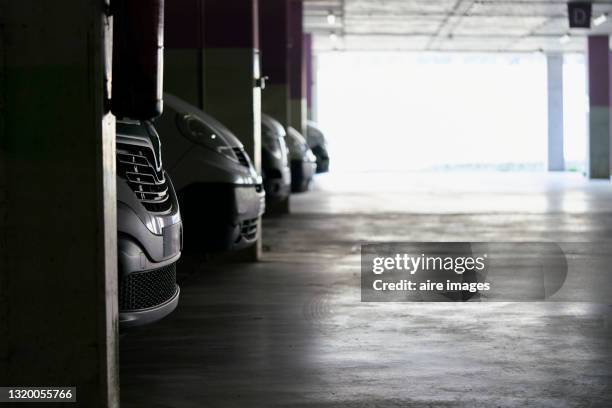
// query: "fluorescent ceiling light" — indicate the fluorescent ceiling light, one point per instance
point(331, 18)
point(565, 39)
point(600, 20)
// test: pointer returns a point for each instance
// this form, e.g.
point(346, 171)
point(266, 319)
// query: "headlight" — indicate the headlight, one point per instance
point(310, 156)
point(272, 144)
point(198, 132)
point(296, 149)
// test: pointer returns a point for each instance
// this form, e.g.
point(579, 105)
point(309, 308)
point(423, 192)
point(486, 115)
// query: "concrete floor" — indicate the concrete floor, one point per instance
point(291, 331)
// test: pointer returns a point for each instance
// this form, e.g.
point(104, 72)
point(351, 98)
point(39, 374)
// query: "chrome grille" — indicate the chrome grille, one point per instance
point(142, 290)
point(242, 156)
point(136, 165)
point(248, 229)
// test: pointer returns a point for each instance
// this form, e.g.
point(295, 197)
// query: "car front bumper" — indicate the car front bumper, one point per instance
point(221, 216)
point(149, 246)
point(278, 188)
point(140, 317)
point(322, 158)
point(147, 290)
point(302, 173)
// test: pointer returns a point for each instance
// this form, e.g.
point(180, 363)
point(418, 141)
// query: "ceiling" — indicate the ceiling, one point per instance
point(448, 25)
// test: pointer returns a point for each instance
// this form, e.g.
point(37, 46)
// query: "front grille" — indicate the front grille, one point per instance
point(136, 164)
point(142, 290)
point(242, 156)
point(248, 229)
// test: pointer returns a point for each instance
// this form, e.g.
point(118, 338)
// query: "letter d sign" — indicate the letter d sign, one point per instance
point(579, 13)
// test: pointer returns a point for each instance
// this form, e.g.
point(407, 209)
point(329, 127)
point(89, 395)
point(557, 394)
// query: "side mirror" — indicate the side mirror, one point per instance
point(137, 73)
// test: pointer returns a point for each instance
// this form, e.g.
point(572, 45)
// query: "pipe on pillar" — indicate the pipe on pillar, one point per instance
point(598, 61)
point(58, 227)
point(231, 75)
point(554, 65)
point(297, 71)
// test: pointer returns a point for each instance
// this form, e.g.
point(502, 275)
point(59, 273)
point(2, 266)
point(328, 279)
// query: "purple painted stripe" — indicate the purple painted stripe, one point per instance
point(296, 42)
point(183, 24)
point(599, 70)
point(230, 24)
point(274, 38)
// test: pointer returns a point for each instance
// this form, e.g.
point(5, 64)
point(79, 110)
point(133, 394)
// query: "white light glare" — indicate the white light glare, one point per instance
point(331, 18)
point(333, 37)
point(600, 20)
point(564, 39)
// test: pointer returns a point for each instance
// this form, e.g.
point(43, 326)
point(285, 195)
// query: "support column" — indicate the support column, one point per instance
point(554, 65)
point(314, 88)
point(598, 56)
point(274, 40)
point(58, 263)
point(297, 71)
point(231, 71)
point(310, 80)
point(274, 37)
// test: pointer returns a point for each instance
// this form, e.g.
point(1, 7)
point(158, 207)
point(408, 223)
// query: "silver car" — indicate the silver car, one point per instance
point(220, 193)
point(303, 161)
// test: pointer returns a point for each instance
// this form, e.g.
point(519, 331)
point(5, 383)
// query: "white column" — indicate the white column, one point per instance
point(554, 65)
point(314, 116)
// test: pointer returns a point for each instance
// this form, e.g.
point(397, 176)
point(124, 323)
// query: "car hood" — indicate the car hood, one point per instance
point(271, 128)
point(314, 135)
point(298, 148)
point(183, 108)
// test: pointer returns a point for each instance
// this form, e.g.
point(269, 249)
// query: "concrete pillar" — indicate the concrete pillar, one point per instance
point(274, 41)
point(598, 61)
point(184, 50)
point(308, 66)
point(58, 264)
point(314, 90)
point(230, 73)
point(554, 64)
point(297, 68)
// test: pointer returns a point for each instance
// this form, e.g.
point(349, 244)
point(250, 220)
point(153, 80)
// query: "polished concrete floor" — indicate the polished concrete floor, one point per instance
point(290, 331)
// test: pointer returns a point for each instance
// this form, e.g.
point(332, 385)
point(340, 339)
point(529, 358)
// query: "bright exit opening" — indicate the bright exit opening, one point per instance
point(408, 111)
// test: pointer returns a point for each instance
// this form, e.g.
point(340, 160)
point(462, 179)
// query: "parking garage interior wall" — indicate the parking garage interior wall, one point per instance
point(183, 54)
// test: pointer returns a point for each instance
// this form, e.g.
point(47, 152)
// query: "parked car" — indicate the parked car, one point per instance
point(220, 192)
point(318, 144)
point(303, 161)
point(149, 227)
point(274, 160)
